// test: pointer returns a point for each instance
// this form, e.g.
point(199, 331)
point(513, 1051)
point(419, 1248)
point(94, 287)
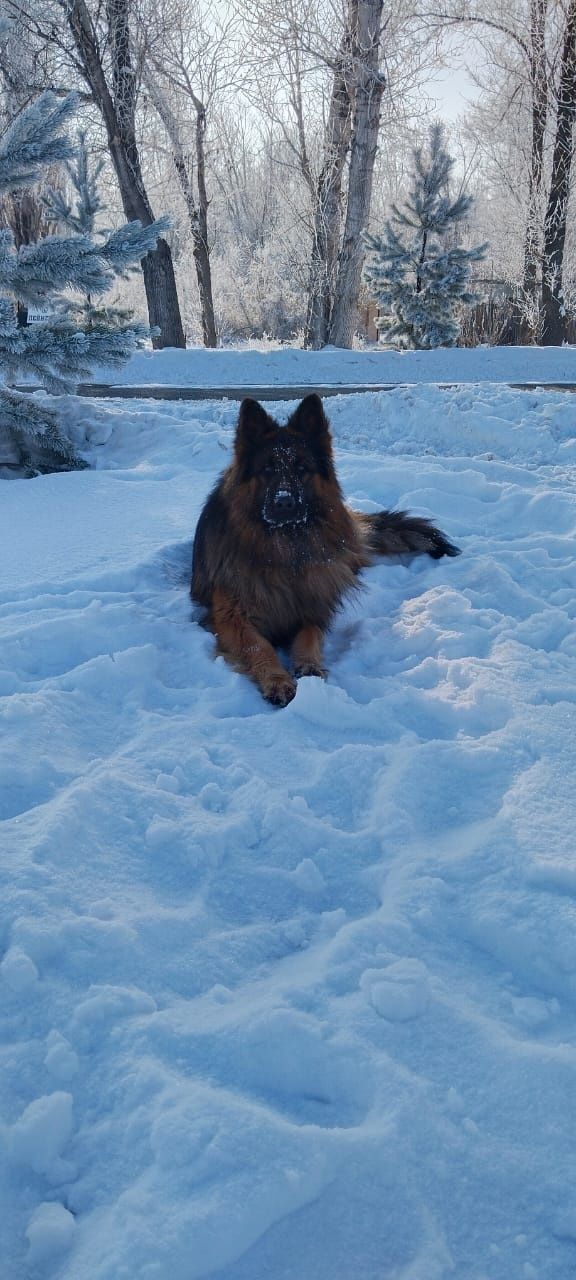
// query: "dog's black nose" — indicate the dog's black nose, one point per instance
point(283, 506)
point(284, 501)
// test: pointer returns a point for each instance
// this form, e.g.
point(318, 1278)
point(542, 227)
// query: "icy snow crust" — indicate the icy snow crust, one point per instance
point(289, 995)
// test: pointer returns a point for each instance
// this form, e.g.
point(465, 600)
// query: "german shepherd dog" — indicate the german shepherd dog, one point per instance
point(276, 550)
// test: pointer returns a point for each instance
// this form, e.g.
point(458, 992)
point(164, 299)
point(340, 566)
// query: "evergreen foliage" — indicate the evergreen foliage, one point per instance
point(79, 334)
point(416, 275)
point(78, 216)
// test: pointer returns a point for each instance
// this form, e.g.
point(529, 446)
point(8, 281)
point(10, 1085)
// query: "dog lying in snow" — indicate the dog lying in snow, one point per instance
point(277, 550)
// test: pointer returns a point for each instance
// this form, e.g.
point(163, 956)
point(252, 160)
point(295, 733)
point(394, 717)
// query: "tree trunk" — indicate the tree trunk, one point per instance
point(198, 221)
point(117, 111)
point(554, 332)
point(369, 87)
point(160, 286)
point(201, 250)
point(197, 214)
point(327, 210)
point(539, 89)
point(421, 261)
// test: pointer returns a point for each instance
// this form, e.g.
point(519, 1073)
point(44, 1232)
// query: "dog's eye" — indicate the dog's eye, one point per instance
point(268, 469)
point(301, 468)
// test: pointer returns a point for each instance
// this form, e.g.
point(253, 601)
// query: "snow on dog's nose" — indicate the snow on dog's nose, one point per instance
point(284, 500)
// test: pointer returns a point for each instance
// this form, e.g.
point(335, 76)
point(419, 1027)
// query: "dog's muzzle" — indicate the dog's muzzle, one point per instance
point(284, 506)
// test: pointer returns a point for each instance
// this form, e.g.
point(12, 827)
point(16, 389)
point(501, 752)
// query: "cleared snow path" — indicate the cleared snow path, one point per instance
point(290, 995)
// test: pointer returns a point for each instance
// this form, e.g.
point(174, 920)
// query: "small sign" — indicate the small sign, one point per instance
point(38, 315)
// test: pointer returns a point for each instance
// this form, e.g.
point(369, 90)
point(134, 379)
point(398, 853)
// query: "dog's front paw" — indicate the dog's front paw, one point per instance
point(279, 689)
point(310, 669)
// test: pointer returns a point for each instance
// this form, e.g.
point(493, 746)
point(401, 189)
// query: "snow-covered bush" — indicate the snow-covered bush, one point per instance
point(258, 293)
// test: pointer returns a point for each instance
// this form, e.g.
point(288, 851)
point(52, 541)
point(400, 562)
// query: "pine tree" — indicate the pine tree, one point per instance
point(64, 348)
point(78, 216)
point(415, 275)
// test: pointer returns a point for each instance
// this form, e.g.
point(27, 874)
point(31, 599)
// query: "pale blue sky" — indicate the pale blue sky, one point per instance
point(453, 89)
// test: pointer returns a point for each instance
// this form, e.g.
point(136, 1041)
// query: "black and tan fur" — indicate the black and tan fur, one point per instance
point(277, 550)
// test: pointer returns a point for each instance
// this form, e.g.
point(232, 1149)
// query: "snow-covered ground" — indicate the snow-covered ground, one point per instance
point(288, 366)
point(290, 995)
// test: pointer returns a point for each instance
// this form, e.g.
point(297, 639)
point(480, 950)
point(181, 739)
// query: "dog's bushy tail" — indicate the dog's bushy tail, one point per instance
point(395, 533)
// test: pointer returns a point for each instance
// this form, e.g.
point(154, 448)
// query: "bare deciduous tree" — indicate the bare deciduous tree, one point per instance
point(367, 97)
point(515, 41)
point(554, 311)
point(191, 64)
point(531, 47)
point(327, 196)
point(539, 87)
point(196, 208)
point(332, 51)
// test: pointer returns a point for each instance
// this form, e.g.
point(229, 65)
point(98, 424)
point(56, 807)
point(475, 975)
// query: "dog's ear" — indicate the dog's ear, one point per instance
point(253, 427)
point(310, 422)
point(309, 419)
